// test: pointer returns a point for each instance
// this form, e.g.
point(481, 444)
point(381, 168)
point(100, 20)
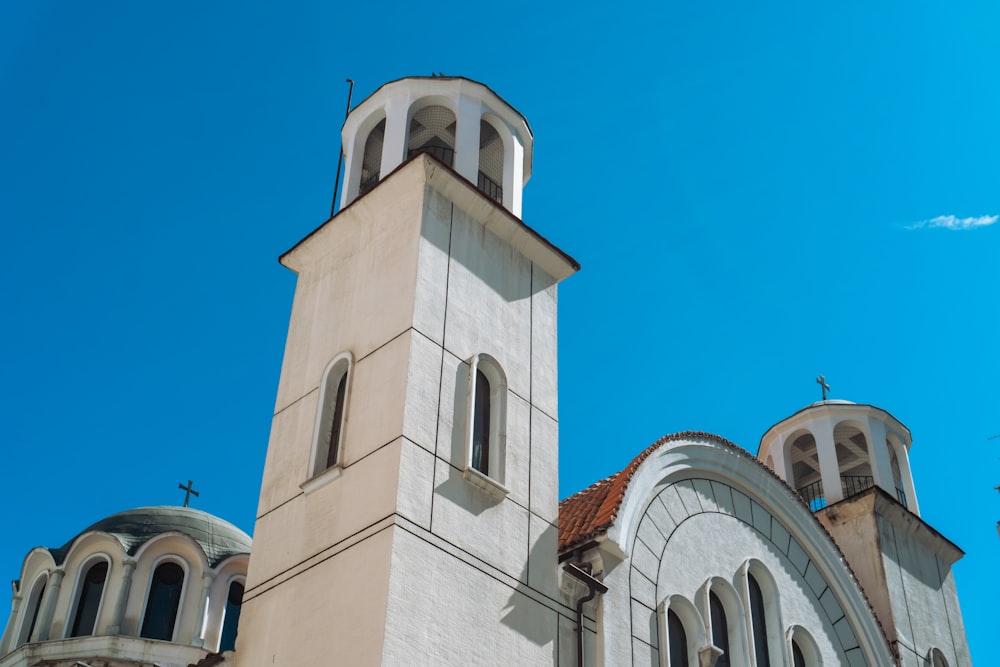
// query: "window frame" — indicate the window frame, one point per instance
point(32, 609)
point(493, 481)
point(236, 579)
point(178, 617)
point(81, 575)
point(321, 471)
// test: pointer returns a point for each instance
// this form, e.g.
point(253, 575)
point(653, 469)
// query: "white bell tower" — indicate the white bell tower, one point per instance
point(410, 494)
point(850, 463)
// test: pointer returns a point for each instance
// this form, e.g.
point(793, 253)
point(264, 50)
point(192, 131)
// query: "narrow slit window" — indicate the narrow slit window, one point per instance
point(481, 425)
point(234, 603)
point(333, 446)
point(798, 660)
point(677, 638)
point(758, 622)
point(91, 590)
point(34, 607)
point(163, 602)
point(331, 416)
point(720, 629)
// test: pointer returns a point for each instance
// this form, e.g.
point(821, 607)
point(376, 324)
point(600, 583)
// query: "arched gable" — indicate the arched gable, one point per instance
point(693, 507)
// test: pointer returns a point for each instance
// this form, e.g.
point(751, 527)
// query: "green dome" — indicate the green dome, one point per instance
point(133, 528)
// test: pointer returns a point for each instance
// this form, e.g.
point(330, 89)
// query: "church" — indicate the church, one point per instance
point(409, 510)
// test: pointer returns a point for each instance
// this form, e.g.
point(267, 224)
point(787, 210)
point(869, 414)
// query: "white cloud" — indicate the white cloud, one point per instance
point(952, 222)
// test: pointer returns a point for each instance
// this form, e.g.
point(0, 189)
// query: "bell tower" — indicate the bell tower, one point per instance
point(850, 464)
point(409, 499)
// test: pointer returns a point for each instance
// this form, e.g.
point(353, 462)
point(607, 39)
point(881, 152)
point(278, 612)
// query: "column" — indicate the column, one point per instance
point(118, 614)
point(49, 604)
point(878, 453)
point(15, 606)
point(396, 134)
point(468, 118)
point(829, 467)
point(206, 587)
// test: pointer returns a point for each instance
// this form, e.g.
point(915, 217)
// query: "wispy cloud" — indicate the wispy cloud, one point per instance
point(953, 222)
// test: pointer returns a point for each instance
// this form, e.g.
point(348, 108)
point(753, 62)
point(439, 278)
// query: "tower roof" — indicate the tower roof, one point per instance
point(133, 528)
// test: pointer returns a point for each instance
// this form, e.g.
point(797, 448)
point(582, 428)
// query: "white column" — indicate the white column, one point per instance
point(15, 607)
point(470, 112)
point(903, 459)
point(513, 177)
point(206, 587)
point(396, 134)
point(829, 467)
point(49, 604)
point(878, 454)
point(128, 566)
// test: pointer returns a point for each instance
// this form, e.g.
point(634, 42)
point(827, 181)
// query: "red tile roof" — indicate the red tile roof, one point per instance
point(584, 515)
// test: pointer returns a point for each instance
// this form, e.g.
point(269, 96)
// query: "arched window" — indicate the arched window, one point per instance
point(677, 641)
point(486, 424)
point(758, 623)
point(720, 629)
point(481, 424)
point(328, 436)
point(853, 459)
point(490, 162)
point(805, 471)
point(91, 591)
point(432, 130)
point(30, 617)
point(234, 602)
point(163, 602)
point(371, 163)
point(798, 660)
point(937, 658)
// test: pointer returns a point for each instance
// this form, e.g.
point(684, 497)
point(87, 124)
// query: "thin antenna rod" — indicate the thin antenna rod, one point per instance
point(340, 155)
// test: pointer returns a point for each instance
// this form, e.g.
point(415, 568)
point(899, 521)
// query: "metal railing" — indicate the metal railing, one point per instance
point(812, 495)
point(443, 153)
point(490, 188)
point(851, 485)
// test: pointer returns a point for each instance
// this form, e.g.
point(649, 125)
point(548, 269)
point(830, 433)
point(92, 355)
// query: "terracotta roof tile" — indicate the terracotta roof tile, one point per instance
point(590, 512)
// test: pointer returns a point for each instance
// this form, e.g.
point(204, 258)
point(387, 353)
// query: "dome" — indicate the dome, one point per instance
point(133, 528)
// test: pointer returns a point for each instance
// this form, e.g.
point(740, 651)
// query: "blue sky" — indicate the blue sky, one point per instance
point(751, 189)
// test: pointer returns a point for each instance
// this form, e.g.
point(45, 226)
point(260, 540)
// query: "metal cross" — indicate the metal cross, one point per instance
point(188, 491)
point(821, 381)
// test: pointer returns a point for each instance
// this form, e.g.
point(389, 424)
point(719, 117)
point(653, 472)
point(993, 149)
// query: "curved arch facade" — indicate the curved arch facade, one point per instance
point(686, 493)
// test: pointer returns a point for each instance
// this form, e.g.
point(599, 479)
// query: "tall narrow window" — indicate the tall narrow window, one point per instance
point(31, 611)
point(481, 425)
point(330, 417)
point(485, 426)
point(234, 602)
point(720, 629)
point(91, 590)
point(798, 660)
point(677, 639)
point(163, 602)
point(758, 622)
point(333, 446)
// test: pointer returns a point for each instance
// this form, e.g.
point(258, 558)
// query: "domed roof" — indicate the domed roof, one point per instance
point(133, 528)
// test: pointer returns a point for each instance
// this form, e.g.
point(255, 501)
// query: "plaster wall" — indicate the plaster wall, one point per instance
point(444, 609)
point(339, 606)
point(923, 594)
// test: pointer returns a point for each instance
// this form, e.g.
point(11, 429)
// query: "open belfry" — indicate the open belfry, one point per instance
point(409, 510)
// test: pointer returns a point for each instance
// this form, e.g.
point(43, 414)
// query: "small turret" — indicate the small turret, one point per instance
point(460, 122)
point(834, 449)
